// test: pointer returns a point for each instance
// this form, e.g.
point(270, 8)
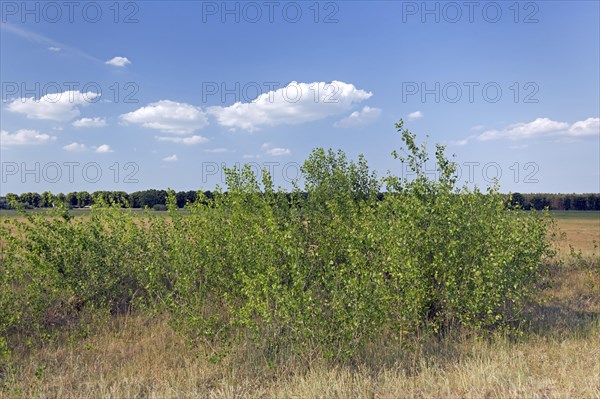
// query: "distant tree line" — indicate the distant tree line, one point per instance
point(156, 199)
point(558, 202)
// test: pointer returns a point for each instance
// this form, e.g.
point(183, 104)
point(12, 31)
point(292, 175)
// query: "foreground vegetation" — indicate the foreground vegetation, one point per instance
point(336, 293)
point(137, 356)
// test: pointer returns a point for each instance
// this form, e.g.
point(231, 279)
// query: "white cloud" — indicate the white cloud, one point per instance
point(275, 151)
point(294, 104)
point(103, 149)
point(90, 122)
point(219, 150)
point(414, 115)
point(168, 117)
point(184, 140)
point(118, 62)
point(543, 127)
point(359, 118)
point(75, 147)
point(250, 156)
point(54, 106)
point(171, 158)
point(24, 137)
point(459, 143)
point(588, 127)
point(278, 151)
point(53, 48)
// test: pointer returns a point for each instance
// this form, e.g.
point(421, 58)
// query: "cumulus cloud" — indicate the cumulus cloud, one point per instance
point(75, 147)
point(543, 127)
point(588, 127)
point(414, 115)
point(294, 104)
point(90, 122)
point(103, 149)
point(168, 117)
point(24, 137)
point(53, 48)
point(184, 140)
point(359, 118)
point(118, 62)
point(171, 158)
point(53, 106)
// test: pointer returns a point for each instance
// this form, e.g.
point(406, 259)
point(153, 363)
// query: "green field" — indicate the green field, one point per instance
point(578, 215)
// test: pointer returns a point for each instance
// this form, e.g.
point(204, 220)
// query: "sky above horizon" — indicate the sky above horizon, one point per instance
point(128, 96)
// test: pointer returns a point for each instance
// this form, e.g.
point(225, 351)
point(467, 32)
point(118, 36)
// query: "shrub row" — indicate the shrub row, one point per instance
point(331, 269)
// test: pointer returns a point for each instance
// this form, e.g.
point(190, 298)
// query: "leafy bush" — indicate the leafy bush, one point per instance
point(330, 270)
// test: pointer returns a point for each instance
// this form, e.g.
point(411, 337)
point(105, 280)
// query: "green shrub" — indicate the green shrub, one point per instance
point(328, 269)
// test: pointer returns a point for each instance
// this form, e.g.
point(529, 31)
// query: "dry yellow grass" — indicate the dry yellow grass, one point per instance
point(558, 356)
point(582, 234)
point(145, 359)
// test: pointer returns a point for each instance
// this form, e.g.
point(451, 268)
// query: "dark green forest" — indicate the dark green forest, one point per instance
point(157, 199)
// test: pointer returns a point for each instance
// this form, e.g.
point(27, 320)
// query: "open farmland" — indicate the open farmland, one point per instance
point(582, 230)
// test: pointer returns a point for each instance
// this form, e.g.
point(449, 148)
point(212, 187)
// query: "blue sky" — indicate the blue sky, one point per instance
point(156, 94)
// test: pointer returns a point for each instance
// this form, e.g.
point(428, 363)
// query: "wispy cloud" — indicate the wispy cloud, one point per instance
point(184, 140)
point(360, 118)
point(44, 40)
point(219, 150)
point(460, 143)
point(269, 149)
